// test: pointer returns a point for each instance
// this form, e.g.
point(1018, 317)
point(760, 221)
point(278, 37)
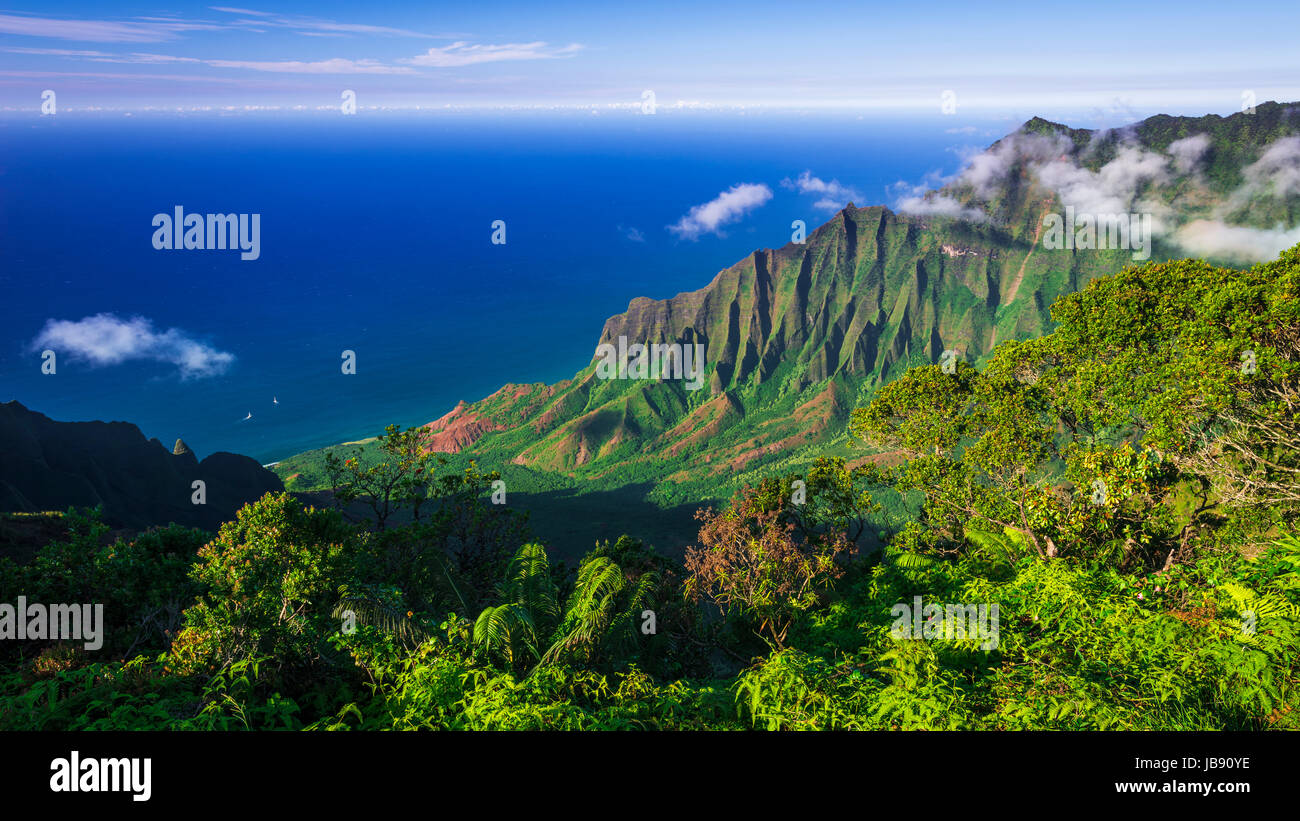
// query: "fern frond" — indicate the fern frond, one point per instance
point(376, 614)
point(528, 583)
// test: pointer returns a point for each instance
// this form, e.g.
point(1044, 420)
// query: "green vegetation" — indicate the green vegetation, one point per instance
point(1124, 490)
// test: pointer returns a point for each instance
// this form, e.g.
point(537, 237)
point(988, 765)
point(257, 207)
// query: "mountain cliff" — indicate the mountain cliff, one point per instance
point(795, 337)
point(49, 465)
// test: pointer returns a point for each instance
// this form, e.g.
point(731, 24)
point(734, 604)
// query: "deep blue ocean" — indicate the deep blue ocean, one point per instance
point(376, 237)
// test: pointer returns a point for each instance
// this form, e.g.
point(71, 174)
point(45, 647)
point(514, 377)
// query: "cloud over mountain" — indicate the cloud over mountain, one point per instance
point(1136, 179)
point(833, 195)
point(1189, 151)
point(1238, 243)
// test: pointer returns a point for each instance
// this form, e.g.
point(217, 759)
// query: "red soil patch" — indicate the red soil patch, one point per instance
point(717, 411)
point(813, 417)
point(459, 429)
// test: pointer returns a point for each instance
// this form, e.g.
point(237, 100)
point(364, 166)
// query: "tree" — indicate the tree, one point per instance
point(478, 536)
point(831, 498)
point(751, 562)
point(1091, 439)
point(1203, 362)
point(269, 578)
point(400, 475)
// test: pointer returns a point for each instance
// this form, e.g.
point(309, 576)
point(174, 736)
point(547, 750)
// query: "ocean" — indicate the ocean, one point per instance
point(376, 237)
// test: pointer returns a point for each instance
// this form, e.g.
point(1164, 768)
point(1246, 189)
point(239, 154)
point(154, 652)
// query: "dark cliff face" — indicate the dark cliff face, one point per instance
point(49, 465)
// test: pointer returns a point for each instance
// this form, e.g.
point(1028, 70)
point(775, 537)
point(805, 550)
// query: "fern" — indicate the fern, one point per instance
point(513, 630)
point(601, 615)
point(373, 612)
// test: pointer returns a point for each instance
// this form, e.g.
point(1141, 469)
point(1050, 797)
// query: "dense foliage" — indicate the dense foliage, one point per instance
point(1117, 501)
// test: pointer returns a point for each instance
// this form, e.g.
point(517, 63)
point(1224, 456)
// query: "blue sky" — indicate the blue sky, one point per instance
point(1023, 58)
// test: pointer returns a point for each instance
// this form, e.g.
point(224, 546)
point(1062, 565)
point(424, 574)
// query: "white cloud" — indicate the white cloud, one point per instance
point(182, 78)
point(104, 339)
point(336, 65)
point(314, 26)
point(1122, 186)
point(923, 199)
point(142, 57)
point(725, 208)
point(1236, 243)
point(1188, 151)
point(834, 196)
point(1048, 159)
point(940, 205)
point(100, 31)
point(57, 52)
point(155, 29)
point(233, 10)
point(463, 54)
point(987, 171)
point(1112, 189)
point(984, 170)
point(1276, 172)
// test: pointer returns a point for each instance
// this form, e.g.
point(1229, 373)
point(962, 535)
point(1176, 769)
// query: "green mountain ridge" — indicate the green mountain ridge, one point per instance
point(796, 337)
